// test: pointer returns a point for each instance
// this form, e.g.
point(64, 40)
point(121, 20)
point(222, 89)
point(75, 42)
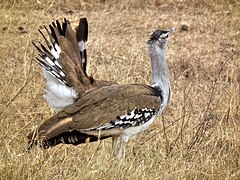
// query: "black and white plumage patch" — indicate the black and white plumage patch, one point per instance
point(135, 118)
point(82, 37)
point(72, 137)
point(51, 64)
point(49, 57)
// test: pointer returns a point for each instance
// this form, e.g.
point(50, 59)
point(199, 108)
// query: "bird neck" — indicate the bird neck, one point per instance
point(160, 75)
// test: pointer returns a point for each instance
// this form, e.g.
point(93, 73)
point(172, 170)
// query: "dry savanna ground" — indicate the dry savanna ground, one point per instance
point(197, 137)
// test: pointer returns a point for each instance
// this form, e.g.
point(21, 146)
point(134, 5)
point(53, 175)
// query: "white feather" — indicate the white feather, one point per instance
point(57, 64)
point(62, 74)
point(56, 53)
point(130, 116)
point(49, 76)
point(132, 131)
point(137, 116)
point(81, 45)
point(123, 116)
point(58, 95)
point(49, 61)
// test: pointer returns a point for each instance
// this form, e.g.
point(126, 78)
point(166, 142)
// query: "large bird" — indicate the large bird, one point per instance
point(117, 111)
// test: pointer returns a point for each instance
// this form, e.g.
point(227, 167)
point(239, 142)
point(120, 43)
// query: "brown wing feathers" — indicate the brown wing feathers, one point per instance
point(70, 54)
point(72, 59)
point(70, 35)
point(89, 113)
point(71, 64)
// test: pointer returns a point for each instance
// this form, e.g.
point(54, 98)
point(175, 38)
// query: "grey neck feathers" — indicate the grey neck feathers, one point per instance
point(160, 75)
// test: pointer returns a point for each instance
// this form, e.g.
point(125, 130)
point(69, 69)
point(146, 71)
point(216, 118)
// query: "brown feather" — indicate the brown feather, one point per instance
point(69, 34)
point(70, 57)
point(97, 108)
point(74, 74)
point(67, 47)
point(71, 61)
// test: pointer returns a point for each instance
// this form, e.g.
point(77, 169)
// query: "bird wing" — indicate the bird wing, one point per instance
point(62, 64)
point(106, 109)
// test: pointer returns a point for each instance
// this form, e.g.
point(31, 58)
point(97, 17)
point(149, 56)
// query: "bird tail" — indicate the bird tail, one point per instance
point(62, 65)
point(73, 137)
point(82, 37)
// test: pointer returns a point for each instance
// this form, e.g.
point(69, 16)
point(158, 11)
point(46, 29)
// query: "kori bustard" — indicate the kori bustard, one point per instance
point(64, 63)
point(117, 111)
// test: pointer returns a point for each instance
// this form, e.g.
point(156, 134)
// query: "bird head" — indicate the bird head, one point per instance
point(160, 37)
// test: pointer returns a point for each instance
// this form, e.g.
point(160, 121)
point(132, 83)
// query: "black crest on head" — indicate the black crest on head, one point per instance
point(156, 34)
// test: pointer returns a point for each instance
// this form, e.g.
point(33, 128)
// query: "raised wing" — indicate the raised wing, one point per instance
point(63, 60)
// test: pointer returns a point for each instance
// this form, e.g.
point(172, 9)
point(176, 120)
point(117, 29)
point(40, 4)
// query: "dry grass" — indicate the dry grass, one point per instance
point(198, 137)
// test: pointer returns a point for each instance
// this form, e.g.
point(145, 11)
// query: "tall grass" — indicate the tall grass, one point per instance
point(198, 136)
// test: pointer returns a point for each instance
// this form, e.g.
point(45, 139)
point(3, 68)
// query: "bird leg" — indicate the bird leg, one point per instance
point(121, 153)
point(114, 143)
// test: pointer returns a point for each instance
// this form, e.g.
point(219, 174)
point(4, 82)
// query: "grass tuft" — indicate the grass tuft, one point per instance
point(198, 135)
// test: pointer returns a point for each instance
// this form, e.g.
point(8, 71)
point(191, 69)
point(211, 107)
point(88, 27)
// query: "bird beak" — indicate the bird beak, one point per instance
point(172, 30)
point(166, 35)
